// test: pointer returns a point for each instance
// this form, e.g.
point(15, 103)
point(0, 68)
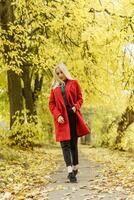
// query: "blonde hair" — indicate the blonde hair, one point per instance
point(56, 81)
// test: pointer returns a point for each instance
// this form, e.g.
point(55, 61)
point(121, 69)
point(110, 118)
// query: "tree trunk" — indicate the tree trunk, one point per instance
point(14, 82)
point(86, 139)
point(31, 96)
point(126, 120)
point(6, 13)
point(15, 95)
point(27, 91)
point(37, 89)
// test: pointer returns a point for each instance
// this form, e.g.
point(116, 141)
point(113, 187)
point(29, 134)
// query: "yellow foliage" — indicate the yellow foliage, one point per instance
point(23, 172)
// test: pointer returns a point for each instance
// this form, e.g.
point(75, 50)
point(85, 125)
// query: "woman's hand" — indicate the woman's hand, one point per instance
point(60, 119)
point(74, 109)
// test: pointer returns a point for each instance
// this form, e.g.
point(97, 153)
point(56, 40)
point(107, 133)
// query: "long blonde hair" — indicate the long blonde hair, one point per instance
point(56, 81)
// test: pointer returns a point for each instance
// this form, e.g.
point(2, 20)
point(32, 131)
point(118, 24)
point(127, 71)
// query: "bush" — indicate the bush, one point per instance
point(23, 135)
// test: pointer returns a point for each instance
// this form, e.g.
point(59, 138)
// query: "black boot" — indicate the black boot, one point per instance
point(72, 178)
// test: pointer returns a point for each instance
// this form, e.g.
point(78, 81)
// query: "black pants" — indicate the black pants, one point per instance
point(70, 147)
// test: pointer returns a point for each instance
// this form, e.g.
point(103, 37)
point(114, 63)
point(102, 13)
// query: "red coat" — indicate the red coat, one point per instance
point(57, 108)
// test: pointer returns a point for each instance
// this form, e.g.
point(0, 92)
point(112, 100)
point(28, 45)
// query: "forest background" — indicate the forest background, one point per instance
point(94, 39)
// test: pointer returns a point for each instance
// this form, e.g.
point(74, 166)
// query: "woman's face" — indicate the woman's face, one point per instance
point(60, 74)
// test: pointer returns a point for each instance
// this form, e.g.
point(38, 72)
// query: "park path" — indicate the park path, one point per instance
point(88, 186)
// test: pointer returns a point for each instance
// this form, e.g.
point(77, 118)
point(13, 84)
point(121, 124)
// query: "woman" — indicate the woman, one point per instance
point(64, 103)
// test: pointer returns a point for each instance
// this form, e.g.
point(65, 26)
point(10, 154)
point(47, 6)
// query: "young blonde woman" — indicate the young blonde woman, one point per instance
point(64, 103)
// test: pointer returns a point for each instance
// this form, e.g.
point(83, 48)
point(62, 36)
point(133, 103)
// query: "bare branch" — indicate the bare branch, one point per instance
point(92, 10)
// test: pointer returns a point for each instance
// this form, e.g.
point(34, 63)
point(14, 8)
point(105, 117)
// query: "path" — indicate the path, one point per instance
point(87, 188)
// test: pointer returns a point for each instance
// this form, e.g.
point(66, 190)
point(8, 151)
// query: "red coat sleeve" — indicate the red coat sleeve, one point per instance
point(52, 106)
point(79, 96)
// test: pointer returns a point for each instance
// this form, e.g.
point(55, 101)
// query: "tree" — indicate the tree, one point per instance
point(35, 36)
point(14, 82)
